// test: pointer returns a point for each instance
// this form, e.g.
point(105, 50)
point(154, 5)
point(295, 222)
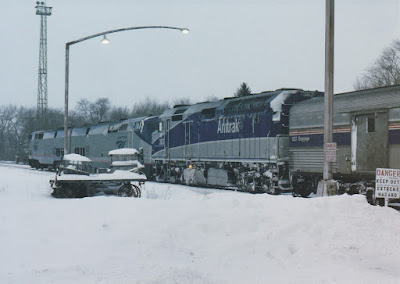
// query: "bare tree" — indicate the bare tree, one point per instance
point(384, 72)
point(102, 107)
point(148, 107)
point(85, 110)
point(118, 113)
point(212, 98)
point(181, 101)
point(93, 112)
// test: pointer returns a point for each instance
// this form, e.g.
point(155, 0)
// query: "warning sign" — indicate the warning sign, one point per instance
point(387, 183)
point(330, 152)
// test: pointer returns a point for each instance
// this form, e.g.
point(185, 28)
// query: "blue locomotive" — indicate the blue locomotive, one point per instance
point(236, 142)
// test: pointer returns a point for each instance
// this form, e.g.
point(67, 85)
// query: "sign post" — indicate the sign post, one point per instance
point(387, 184)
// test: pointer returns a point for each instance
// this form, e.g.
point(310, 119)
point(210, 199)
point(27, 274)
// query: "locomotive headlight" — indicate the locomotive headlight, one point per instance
point(190, 166)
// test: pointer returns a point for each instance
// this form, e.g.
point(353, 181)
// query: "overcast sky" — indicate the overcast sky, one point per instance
point(269, 44)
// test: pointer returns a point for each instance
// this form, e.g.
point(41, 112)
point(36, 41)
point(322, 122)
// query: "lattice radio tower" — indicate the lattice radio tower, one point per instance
point(43, 11)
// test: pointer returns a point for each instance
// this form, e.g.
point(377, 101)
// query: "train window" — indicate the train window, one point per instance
point(208, 113)
point(39, 136)
point(81, 151)
point(177, 117)
point(123, 127)
point(59, 152)
point(182, 110)
point(112, 128)
point(370, 124)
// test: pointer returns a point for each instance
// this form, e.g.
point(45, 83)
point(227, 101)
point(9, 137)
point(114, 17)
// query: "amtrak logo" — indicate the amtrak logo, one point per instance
point(226, 126)
point(120, 143)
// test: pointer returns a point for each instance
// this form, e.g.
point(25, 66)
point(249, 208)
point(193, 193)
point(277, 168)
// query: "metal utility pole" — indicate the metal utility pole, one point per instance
point(327, 186)
point(329, 69)
point(43, 11)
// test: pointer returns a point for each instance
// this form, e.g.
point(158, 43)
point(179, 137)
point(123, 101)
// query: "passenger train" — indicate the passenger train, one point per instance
point(267, 142)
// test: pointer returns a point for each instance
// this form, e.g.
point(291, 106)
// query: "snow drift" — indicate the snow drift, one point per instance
point(179, 234)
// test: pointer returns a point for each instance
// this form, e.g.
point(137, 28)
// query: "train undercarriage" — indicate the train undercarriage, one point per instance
point(306, 183)
point(270, 178)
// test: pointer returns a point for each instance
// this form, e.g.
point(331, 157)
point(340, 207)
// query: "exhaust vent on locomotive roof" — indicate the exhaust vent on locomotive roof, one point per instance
point(181, 110)
point(289, 89)
point(184, 105)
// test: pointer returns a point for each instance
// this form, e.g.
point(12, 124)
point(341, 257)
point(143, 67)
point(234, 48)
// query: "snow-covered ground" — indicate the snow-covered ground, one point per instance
point(178, 234)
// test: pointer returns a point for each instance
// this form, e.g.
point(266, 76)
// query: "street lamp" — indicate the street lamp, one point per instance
point(105, 40)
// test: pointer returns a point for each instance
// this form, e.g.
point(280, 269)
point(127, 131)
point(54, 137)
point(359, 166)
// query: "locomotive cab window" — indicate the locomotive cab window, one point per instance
point(123, 127)
point(177, 117)
point(81, 151)
point(370, 124)
point(208, 113)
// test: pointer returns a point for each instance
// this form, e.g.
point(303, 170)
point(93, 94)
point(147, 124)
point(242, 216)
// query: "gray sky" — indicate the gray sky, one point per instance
point(269, 44)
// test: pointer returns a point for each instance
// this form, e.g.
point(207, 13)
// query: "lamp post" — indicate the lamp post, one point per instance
point(104, 41)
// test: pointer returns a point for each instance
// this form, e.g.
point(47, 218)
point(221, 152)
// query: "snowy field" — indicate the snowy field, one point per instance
point(178, 234)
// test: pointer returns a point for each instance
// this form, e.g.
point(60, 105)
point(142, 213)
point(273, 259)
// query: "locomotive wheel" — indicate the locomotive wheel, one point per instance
point(136, 191)
point(126, 190)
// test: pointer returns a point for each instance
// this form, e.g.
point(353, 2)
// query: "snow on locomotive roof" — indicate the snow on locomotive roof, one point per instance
point(76, 158)
point(123, 151)
point(276, 103)
point(200, 106)
point(171, 111)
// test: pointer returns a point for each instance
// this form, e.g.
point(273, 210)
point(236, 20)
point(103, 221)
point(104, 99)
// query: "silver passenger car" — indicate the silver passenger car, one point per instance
point(366, 130)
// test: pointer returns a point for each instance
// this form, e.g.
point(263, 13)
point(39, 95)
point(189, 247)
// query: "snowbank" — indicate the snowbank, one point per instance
point(76, 158)
point(180, 234)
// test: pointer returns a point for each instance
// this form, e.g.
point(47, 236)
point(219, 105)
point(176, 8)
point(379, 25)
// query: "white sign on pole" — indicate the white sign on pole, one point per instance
point(330, 152)
point(387, 183)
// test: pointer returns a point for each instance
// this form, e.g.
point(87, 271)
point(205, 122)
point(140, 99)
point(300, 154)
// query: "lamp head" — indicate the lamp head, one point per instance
point(185, 31)
point(105, 40)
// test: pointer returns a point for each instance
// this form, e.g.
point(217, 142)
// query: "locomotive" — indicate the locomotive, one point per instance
point(236, 142)
point(46, 148)
point(267, 142)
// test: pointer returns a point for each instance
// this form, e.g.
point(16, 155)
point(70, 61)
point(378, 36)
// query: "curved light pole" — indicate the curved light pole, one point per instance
point(105, 41)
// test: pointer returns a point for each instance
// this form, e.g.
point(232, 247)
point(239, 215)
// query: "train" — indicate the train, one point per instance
point(267, 142)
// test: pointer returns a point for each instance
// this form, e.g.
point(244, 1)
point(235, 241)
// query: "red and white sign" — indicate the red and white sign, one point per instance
point(387, 183)
point(330, 152)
